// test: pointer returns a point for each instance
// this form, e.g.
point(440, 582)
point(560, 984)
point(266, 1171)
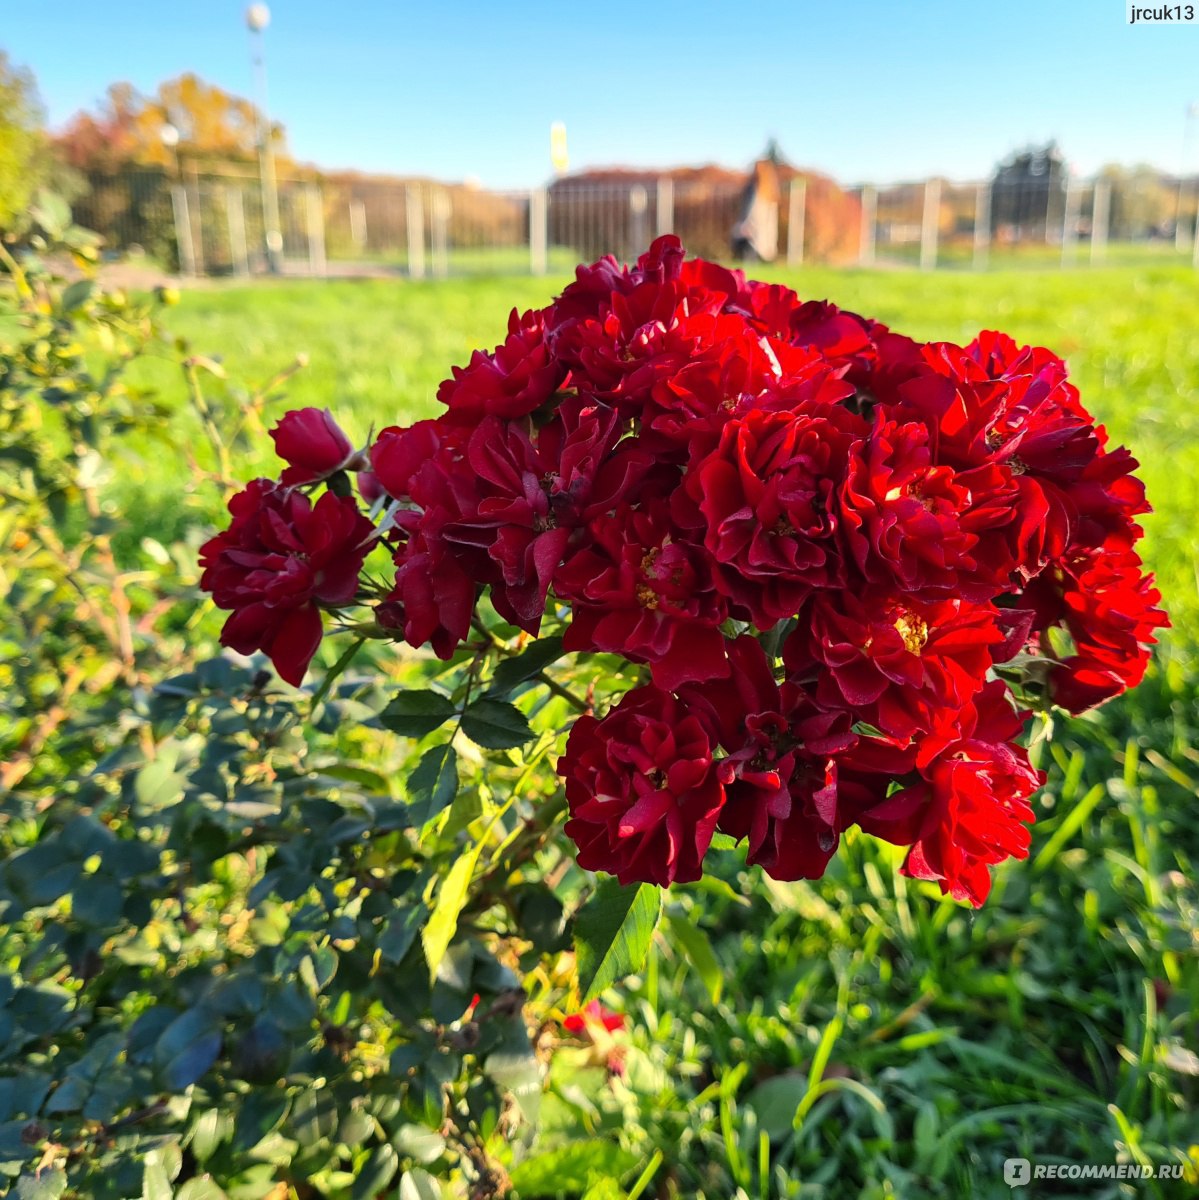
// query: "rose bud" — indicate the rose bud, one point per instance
point(313, 445)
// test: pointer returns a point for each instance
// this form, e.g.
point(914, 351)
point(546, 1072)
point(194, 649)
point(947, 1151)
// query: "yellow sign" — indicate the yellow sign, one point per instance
point(558, 155)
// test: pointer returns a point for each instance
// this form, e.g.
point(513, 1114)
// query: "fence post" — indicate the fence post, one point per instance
point(869, 213)
point(316, 230)
point(358, 223)
point(538, 231)
point(1101, 215)
point(183, 229)
point(797, 196)
point(1071, 204)
point(930, 225)
point(416, 232)
point(439, 227)
point(236, 218)
point(665, 205)
point(196, 215)
point(982, 226)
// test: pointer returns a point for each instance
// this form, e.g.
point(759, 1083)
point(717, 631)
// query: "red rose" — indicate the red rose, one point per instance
point(895, 661)
point(643, 790)
point(532, 494)
point(514, 379)
point(313, 443)
point(768, 499)
point(902, 514)
point(1110, 609)
point(277, 564)
point(637, 588)
point(594, 1014)
point(970, 810)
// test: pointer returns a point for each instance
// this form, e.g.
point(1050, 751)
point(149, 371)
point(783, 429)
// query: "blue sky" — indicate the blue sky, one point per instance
point(862, 90)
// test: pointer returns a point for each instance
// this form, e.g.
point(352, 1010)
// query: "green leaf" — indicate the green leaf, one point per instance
point(418, 1143)
point(158, 783)
point(496, 725)
point(313, 1117)
point(443, 923)
point(416, 713)
point(78, 294)
point(400, 932)
point(531, 661)
point(202, 1188)
point(572, 1168)
point(775, 1101)
point(379, 1171)
point(187, 1048)
point(162, 1166)
point(698, 948)
point(419, 1185)
point(48, 1185)
point(613, 932)
point(434, 783)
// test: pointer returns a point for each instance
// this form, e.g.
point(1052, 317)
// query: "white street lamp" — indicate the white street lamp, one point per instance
point(258, 17)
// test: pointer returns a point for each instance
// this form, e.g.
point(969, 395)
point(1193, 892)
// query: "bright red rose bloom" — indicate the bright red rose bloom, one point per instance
point(313, 443)
point(278, 563)
point(768, 499)
point(643, 791)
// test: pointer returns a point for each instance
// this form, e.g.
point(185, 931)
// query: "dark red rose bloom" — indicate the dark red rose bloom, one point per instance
point(280, 560)
point(534, 493)
point(1110, 610)
point(768, 500)
point(643, 790)
point(516, 378)
point(970, 809)
point(399, 455)
point(313, 443)
point(895, 661)
point(902, 515)
point(638, 588)
point(780, 773)
point(646, 335)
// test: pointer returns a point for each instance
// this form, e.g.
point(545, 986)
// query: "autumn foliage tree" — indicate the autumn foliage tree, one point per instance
point(213, 125)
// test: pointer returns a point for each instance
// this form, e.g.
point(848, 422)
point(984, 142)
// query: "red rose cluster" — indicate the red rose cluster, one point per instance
point(834, 549)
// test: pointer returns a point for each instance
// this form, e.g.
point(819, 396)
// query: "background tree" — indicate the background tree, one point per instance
point(213, 125)
point(25, 163)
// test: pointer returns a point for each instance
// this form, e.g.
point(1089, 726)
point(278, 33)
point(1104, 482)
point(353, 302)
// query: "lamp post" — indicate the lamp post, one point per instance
point(169, 136)
point(258, 17)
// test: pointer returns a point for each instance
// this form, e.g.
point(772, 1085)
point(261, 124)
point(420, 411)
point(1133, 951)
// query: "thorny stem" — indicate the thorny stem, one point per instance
point(200, 404)
point(542, 677)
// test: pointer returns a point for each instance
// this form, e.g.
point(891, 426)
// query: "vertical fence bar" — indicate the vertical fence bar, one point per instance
point(539, 233)
point(1070, 206)
point(196, 223)
point(1101, 215)
point(317, 263)
point(869, 213)
point(183, 230)
point(235, 217)
point(930, 222)
point(416, 232)
point(439, 228)
point(665, 205)
point(358, 224)
point(982, 226)
point(797, 196)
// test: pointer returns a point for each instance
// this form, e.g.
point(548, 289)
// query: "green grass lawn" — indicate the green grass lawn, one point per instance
point(889, 1043)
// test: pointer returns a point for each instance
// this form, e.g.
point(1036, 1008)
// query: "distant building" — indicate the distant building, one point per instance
point(1028, 194)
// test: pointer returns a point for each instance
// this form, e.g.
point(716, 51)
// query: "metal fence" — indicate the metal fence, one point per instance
point(202, 221)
